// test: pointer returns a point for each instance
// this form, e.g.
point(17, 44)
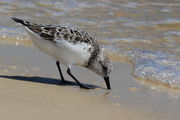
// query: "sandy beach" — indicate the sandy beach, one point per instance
point(30, 90)
point(140, 37)
point(35, 95)
point(31, 101)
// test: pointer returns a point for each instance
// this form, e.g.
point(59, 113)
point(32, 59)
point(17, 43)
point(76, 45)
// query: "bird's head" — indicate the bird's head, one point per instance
point(102, 66)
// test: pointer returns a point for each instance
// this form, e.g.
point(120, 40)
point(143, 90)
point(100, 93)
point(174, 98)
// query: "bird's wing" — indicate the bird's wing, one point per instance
point(58, 33)
point(55, 33)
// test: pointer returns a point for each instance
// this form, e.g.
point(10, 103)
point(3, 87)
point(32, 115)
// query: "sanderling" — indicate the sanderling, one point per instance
point(71, 47)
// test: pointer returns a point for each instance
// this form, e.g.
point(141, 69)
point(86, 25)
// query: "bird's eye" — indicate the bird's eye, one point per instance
point(104, 68)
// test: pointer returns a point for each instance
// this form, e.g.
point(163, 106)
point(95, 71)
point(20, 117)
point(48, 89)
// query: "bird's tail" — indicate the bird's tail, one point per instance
point(36, 28)
point(26, 23)
point(20, 21)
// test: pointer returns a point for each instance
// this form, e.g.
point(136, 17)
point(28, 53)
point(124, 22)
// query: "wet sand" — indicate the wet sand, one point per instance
point(31, 101)
point(29, 89)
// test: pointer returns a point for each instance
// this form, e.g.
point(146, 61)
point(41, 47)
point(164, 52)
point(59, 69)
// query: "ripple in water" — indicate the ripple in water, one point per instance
point(156, 67)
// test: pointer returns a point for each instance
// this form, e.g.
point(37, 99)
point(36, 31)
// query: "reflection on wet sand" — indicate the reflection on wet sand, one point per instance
point(16, 41)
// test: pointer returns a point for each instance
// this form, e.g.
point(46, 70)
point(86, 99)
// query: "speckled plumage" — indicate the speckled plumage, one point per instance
point(57, 33)
point(69, 46)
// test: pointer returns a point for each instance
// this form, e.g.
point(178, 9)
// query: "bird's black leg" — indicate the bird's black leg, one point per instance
point(59, 68)
point(80, 84)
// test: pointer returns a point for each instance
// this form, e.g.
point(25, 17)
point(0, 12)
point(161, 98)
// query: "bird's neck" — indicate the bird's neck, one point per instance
point(94, 65)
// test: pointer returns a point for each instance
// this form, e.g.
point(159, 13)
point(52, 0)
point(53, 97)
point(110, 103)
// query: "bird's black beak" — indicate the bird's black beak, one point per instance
point(106, 79)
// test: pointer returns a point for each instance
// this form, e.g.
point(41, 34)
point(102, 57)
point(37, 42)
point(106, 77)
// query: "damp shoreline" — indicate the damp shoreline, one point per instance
point(29, 80)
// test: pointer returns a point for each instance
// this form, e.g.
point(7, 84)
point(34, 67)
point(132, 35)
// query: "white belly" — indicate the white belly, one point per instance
point(63, 51)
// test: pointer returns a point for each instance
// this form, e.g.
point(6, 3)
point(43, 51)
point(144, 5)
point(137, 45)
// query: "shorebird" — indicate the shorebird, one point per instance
point(69, 46)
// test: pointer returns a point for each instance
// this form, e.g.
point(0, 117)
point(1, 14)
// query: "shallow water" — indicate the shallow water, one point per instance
point(143, 33)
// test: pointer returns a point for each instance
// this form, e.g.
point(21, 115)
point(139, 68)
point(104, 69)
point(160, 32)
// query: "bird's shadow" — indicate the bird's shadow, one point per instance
point(45, 80)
